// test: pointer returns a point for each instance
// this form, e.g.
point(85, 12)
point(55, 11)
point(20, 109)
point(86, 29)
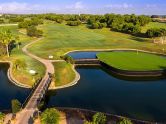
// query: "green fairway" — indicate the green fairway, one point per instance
point(133, 61)
point(59, 38)
point(63, 74)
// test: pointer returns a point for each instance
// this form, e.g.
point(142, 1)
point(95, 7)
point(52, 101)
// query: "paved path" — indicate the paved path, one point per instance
point(24, 116)
point(2, 25)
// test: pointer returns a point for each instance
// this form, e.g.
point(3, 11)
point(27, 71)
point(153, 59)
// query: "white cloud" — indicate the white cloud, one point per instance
point(76, 6)
point(119, 6)
point(15, 7)
point(151, 6)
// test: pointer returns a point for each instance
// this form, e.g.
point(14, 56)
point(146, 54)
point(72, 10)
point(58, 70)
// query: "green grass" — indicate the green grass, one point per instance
point(63, 73)
point(23, 75)
point(153, 25)
point(133, 61)
point(60, 38)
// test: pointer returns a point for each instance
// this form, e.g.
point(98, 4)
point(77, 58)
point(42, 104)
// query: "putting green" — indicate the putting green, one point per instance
point(133, 61)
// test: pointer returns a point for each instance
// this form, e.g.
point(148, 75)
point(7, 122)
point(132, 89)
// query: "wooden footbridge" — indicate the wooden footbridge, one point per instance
point(90, 62)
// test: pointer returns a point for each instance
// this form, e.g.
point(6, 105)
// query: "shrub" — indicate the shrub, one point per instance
point(32, 31)
point(59, 20)
point(18, 64)
point(50, 116)
point(125, 121)
point(156, 32)
point(99, 118)
point(16, 106)
point(68, 59)
point(73, 23)
point(2, 116)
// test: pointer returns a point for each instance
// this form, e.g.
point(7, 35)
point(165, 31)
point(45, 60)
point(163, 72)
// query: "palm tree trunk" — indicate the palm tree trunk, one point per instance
point(18, 46)
point(7, 50)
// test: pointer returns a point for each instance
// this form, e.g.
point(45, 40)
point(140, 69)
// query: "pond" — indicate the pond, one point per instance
point(98, 90)
point(83, 55)
point(9, 91)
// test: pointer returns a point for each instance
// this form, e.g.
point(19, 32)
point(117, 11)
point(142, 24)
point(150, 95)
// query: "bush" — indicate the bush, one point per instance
point(68, 59)
point(59, 20)
point(18, 64)
point(98, 25)
point(33, 32)
point(2, 116)
point(125, 121)
point(16, 106)
point(50, 116)
point(16, 19)
point(2, 21)
point(73, 23)
point(156, 32)
point(99, 118)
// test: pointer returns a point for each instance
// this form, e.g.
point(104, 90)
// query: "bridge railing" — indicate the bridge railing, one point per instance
point(42, 95)
point(36, 84)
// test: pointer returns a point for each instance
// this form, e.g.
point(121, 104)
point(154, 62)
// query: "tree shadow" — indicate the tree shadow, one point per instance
point(139, 39)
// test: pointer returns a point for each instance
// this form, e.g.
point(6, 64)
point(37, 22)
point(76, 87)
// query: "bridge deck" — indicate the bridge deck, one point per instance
point(86, 62)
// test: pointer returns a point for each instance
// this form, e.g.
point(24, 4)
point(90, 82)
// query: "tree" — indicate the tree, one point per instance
point(2, 116)
point(18, 64)
point(32, 31)
point(17, 40)
point(6, 38)
point(73, 23)
point(50, 116)
point(156, 32)
point(125, 121)
point(99, 118)
point(16, 106)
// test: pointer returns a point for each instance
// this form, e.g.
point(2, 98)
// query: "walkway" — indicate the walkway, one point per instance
point(25, 115)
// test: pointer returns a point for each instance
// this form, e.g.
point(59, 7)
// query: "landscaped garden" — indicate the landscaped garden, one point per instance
point(133, 61)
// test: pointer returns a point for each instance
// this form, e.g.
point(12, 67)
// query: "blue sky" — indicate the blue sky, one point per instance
point(84, 6)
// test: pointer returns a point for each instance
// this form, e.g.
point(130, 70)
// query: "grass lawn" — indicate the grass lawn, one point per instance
point(23, 75)
point(133, 61)
point(63, 73)
point(60, 38)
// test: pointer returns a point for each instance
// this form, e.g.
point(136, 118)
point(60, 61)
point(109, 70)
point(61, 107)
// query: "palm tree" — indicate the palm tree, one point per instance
point(6, 38)
point(17, 39)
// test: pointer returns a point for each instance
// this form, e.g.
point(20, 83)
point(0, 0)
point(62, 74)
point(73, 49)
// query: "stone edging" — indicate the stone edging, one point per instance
point(77, 78)
point(11, 77)
point(107, 50)
point(112, 116)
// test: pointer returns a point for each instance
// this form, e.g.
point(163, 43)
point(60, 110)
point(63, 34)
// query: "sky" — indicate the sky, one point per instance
point(146, 7)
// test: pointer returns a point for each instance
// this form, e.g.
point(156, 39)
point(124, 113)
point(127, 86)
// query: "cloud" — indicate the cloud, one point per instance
point(119, 6)
point(15, 7)
point(76, 6)
point(151, 6)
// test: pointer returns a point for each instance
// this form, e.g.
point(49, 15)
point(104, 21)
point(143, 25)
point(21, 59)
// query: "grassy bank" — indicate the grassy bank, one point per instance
point(63, 73)
point(60, 38)
point(133, 60)
point(22, 75)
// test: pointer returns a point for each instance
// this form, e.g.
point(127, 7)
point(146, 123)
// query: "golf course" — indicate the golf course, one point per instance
point(133, 61)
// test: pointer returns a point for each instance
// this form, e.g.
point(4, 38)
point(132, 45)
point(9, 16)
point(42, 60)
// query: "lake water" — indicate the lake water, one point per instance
point(98, 90)
point(9, 91)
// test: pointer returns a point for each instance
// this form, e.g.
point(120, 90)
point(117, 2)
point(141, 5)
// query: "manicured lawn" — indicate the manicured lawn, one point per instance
point(60, 38)
point(63, 73)
point(23, 75)
point(133, 60)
